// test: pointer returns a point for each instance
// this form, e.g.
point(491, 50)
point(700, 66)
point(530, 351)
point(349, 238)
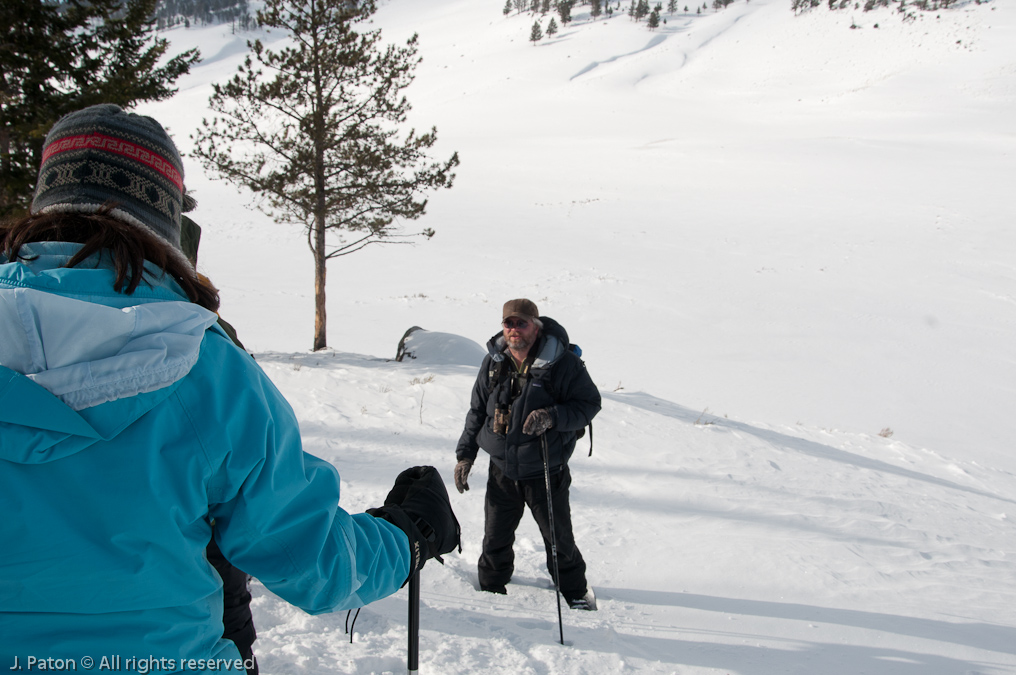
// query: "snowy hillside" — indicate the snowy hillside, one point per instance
point(715, 546)
point(803, 227)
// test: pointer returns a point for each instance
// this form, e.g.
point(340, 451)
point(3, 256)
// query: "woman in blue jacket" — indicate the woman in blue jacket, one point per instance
point(129, 422)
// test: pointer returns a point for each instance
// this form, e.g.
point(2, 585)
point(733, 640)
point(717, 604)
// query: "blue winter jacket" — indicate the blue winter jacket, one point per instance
point(127, 424)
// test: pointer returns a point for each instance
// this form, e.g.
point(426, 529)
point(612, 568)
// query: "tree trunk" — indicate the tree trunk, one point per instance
point(320, 267)
point(320, 208)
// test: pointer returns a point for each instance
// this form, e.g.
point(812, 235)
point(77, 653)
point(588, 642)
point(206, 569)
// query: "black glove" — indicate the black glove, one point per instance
point(461, 474)
point(419, 506)
point(538, 422)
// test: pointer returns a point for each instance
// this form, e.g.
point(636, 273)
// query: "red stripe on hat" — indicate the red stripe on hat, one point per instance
point(116, 146)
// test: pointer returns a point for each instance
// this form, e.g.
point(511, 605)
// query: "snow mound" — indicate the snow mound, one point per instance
point(443, 349)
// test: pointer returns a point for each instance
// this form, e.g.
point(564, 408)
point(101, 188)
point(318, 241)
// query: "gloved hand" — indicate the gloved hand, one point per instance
point(418, 505)
point(461, 474)
point(538, 422)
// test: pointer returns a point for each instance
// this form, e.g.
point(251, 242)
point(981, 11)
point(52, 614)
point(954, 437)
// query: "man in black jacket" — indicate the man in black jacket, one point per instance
point(530, 385)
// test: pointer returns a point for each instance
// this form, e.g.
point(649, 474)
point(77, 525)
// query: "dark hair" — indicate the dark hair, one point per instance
point(128, 247)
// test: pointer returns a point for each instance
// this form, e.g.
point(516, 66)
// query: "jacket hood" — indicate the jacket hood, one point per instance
point(551, 345)
point(79, 362)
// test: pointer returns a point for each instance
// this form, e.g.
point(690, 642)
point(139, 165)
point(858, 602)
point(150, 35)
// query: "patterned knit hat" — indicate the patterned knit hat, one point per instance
point(103, 154)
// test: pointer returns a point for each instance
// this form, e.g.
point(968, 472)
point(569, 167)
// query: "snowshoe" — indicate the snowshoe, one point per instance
point(586, 602)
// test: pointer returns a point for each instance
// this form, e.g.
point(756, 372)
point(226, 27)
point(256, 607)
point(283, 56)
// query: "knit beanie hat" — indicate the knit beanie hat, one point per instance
point(103, 154)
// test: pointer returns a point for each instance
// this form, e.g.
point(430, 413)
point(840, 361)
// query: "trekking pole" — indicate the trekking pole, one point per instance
point(414, 622)
point(553, 536)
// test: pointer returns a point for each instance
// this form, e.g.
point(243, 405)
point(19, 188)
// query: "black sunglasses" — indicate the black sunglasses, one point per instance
point(515, 323)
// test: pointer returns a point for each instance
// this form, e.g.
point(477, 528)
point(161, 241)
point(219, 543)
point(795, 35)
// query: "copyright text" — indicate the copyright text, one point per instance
point(129, 664)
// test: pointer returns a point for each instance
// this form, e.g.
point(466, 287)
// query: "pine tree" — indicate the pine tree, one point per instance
point(507, 7)
point(564, 10)
point(596, 9)
point(536, 34)
point(654, 20)
point(55, 59)
point(317, 137)
point(672, 7)
point(551, 27)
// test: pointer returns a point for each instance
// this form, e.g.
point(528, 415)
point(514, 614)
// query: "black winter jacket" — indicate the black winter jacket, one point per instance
point(557, 380)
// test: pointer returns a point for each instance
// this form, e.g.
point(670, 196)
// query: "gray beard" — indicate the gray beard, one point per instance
point(520, 344)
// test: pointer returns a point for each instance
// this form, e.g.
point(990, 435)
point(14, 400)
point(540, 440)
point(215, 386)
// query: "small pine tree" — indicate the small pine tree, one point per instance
point(672, 6)
point(536, 34)
point(552, 27)
point(596, 9)
point(507, 7)
point(654, 20)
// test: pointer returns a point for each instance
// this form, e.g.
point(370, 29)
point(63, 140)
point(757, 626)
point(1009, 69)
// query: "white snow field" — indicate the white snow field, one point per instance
point(773, 237)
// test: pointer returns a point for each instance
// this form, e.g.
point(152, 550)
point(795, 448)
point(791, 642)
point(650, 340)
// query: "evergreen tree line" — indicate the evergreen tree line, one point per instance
point(171, 13)
point(868, 5)
point(543, 7)
point(637, 11)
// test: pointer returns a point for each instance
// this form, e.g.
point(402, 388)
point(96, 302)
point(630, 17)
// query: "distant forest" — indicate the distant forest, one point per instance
point(171, 13)
point(902, 5)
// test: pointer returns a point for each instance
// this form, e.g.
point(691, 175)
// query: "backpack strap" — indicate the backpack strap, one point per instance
point(496, 374)
point(578, 352)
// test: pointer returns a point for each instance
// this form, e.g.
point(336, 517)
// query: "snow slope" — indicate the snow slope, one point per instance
point(715, 546)
point(803, 227)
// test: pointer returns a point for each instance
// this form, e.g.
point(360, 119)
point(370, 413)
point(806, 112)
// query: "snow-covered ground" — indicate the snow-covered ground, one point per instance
point(773, 237)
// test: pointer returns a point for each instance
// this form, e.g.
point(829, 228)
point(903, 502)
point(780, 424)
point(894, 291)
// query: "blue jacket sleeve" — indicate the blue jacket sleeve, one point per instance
point(276, 508)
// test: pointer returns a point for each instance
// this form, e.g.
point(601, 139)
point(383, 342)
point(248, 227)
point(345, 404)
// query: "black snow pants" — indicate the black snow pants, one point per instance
point(237, 622)
point(503, 508)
